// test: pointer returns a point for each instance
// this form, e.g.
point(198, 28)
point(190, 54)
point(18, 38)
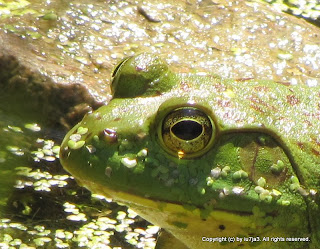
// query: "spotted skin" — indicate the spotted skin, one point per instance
point(254, 174)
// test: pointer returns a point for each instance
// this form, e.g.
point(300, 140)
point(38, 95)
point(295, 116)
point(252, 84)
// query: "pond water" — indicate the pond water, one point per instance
point(41, 206)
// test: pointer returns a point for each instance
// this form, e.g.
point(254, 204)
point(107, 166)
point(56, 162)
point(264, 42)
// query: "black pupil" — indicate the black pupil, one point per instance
point(187, 129)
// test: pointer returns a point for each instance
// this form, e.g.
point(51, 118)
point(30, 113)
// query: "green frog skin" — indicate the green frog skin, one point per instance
point(205, 158)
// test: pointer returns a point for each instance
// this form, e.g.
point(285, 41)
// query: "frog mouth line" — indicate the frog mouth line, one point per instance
point(134, 200)
point(173, 214)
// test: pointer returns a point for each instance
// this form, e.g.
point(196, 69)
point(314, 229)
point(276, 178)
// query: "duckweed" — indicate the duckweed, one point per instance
point(38, 180)
point(128, 162)
point(121, 215)
point(15, 128)
point(15, 150)
point(77, 217)
point(75, 145)
point(41, 241)
point(285, 203)
point(240, 174)
point(18, 226)
point(33, 127)
point(215, 173)
point(82, 130)
point(48, 152)
point(262, 182)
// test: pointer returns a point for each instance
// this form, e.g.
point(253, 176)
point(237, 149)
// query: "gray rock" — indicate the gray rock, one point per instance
point(58, 68)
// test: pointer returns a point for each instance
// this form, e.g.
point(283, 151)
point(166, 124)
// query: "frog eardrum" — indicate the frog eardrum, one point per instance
point(186, 132)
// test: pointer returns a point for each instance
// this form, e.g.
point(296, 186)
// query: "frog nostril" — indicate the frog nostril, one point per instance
point(187, 129)
point(222, 227)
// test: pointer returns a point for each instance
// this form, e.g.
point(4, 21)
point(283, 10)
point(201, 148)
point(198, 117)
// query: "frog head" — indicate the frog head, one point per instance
point(203, 156)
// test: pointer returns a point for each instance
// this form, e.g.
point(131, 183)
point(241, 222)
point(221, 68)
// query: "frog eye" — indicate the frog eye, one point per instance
point(187, 132)
point(141, 75)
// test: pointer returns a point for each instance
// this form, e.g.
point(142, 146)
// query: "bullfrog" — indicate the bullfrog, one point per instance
point(215, 162)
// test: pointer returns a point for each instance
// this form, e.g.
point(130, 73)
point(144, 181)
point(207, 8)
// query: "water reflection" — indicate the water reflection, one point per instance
point(41, 206)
